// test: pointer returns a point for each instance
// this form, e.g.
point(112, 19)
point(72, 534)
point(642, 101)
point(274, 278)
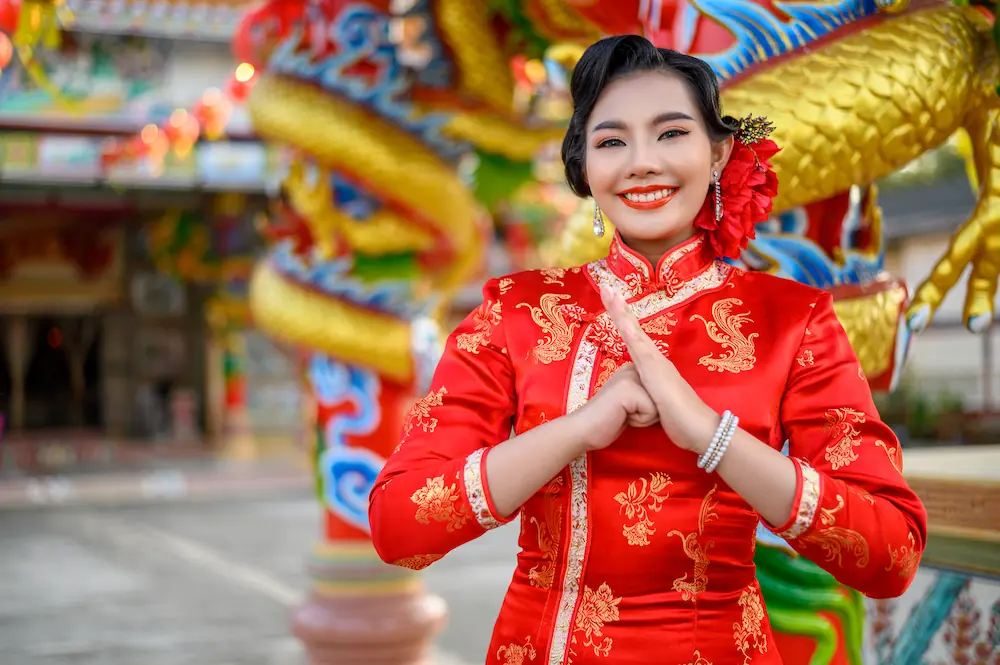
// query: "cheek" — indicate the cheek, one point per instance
point(600, 172)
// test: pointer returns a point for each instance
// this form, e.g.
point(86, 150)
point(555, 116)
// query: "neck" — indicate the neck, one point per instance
point(653, 250)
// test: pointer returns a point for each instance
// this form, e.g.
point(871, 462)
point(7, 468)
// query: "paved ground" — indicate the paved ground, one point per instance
point(195, 583)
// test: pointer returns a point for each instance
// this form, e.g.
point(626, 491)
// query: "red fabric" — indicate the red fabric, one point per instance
point(632, 554)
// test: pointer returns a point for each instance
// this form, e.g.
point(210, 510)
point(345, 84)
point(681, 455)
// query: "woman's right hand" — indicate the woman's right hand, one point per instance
point(621, 402)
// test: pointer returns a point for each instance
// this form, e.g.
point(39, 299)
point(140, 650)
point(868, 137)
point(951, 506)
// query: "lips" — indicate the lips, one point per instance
point(648, 197)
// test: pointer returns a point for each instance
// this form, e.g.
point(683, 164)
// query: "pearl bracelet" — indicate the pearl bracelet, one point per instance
point(720, 442)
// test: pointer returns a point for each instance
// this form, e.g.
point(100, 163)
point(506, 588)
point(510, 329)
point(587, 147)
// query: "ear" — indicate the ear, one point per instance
point(721, 150)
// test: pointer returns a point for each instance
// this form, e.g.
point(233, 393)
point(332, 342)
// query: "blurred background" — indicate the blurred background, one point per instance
point(215, 215)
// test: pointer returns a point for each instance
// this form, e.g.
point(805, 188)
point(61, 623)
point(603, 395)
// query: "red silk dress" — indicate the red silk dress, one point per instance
point(632, 554)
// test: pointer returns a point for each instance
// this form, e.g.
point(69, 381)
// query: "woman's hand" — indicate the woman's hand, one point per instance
point(687, 420)
point(621, 402)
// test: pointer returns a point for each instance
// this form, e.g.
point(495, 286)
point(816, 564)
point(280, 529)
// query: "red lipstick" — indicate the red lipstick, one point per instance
point(647, 189)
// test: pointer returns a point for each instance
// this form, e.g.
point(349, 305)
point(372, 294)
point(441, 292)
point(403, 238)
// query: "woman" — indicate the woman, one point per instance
point(650, 394)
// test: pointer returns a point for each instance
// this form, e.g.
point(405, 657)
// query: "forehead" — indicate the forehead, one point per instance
point(639, 98)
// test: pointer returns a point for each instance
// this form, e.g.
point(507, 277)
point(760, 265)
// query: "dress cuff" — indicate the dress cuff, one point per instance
point(807, 491)
point(478, 493)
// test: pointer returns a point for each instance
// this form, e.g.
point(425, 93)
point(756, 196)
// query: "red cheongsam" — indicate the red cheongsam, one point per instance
point(633, 554)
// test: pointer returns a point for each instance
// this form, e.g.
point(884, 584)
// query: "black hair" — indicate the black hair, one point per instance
point(612, 58)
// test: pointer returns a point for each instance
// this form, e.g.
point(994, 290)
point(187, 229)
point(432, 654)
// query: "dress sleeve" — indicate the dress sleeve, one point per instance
point(853, 514)
point(431, 496)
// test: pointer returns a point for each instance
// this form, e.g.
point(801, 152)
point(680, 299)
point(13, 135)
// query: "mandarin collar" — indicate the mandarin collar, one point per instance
point(675, 268)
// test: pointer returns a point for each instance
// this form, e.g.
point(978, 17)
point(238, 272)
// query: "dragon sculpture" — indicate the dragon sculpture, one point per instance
point(405, 124)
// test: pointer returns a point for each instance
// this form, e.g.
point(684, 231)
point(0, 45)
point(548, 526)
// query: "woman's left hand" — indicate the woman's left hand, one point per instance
point(687, 420)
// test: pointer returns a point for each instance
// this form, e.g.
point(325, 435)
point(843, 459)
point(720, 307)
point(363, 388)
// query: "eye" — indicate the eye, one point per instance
point(611, 143)
point(673, 133)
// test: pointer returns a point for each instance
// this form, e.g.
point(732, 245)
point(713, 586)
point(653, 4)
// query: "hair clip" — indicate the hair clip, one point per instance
point(750, 130)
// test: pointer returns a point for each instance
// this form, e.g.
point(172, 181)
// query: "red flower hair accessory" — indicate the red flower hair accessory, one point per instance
point(748, 186)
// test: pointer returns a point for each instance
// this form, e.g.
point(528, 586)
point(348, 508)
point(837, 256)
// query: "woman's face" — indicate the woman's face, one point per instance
point(650, 160)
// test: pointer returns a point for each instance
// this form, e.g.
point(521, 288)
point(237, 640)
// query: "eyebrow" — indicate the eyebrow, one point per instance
point(667, 116)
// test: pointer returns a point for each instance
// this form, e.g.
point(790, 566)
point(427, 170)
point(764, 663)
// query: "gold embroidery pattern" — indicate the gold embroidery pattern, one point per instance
point(596, 609)
point(808, 503)
point(806, 359)
point(892, 453)
point(840, 423)
point(505, 285)
point(420, 413)
point(725, 329)
point(697, 552)
point(579, 393)
point(440, 503)
point(906, 557)
point(697, 659)
point(557, 330)
point(553, 275)
point(833, 540)
point(486, 316)
point(638, 502)
point(418, 561)
point(660, 325)
point(476, 491)
point(750, 633)
point(514, 654)
point(542, 575)
point(653, 303)
point(608, 367)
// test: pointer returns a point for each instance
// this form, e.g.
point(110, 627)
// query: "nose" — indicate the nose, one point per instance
point(643, 163)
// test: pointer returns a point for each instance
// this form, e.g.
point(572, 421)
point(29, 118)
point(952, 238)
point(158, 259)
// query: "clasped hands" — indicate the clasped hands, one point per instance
point(647, 391)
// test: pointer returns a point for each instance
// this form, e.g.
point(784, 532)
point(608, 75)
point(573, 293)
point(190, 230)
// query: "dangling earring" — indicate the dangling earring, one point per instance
point(718, 197)
point(598, 221)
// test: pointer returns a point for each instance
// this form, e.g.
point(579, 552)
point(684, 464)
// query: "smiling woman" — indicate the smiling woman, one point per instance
point(646, 132)
point(650, 394)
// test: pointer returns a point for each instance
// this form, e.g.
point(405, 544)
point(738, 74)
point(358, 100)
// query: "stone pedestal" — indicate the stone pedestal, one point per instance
point(363, 612)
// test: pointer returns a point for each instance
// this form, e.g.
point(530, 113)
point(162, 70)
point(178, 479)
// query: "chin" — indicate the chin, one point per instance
point(645, 230)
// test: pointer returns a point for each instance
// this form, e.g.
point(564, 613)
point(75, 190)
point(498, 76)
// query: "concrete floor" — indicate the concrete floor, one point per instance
point(197, 583)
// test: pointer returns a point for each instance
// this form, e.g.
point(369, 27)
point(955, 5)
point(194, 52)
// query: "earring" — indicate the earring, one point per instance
point(718, 197)
point(598, 221)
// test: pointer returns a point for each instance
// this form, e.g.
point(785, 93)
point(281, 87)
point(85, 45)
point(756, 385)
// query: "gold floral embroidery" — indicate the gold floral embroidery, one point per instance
point(577, 538)
point(833, 539)
point(697, 552)
point(557, 330)
point(418, 561)
point(652, 303)
point(906, 557)
point(840, 423)
point(697, 659)
point(726, 330)
point(750, 633)
point(660, 325)
point(863, 494)
point(475, 490)
point(553, 275)
point(808, 502)
point(861, 373)
point(638, 502)
point(514, 653)
point(549, 530)
point(440, 503)
point(596, 609)
point(893, 454)
point(505, 285)
point(485, 318)
point(420, 413)
point(806, 359)
point(808, 332)
point(608, 367)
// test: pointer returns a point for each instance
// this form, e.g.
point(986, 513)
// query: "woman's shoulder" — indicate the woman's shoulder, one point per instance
point(531, 284)
point(779, 291)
